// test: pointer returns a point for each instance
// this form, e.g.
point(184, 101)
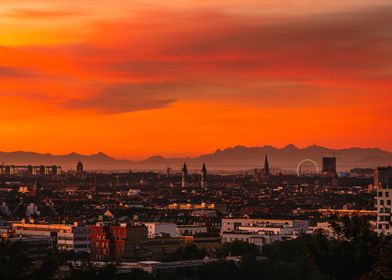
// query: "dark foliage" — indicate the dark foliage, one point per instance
point(237, 248)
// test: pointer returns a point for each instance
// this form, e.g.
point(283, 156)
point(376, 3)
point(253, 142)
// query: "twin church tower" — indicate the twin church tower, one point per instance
point(203, 183)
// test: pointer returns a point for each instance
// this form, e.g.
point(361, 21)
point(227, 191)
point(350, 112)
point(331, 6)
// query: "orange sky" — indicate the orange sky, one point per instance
point(185, 77)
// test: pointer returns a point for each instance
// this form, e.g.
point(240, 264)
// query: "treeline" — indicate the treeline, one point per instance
point(357, 253)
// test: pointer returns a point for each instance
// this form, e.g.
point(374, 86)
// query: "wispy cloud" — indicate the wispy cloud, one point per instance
point(123, 98)
point(18, 72)
point(42, 13)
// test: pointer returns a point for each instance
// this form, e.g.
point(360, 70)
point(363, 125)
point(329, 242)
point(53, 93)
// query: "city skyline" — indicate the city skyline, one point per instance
point(228, 159)
point(184, 78)
point(195, 139)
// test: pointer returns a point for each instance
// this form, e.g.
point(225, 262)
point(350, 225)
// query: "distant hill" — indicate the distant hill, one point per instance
point(234, 158)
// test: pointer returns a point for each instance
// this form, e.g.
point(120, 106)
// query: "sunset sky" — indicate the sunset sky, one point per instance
point(186, 77)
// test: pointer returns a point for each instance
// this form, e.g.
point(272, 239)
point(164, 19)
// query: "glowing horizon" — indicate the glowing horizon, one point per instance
point(142, 78)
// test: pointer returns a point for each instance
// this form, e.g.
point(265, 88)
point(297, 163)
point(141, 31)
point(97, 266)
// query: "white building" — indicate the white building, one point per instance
point(257, 238)
point(233, 224)
point(78, 240)
point(190, 230)
point(261, 232)
point(31, 210)
point(65, 237)
point(384, 206)
point(159, 229)
point(325, 228)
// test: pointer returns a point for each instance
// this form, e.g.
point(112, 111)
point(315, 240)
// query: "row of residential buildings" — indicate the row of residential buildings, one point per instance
point(109, 241)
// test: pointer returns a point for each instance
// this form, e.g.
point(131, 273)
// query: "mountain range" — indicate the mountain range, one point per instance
point(233, 158)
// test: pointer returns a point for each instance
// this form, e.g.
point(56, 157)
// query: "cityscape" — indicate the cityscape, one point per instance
point(195, 140)
point(174, 222)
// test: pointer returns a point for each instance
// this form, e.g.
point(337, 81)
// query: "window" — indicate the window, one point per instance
point(388, 202)
point(381, 202)
point(380, 194)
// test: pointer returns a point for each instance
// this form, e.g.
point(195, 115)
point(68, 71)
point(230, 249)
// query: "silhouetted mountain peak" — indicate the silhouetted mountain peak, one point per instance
point(290, 147)
point(237, 157)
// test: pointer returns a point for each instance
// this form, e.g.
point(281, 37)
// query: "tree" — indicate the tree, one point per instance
point(293, 255)
point(227, 270)
point(14, 264)
point(90, 272)
point(382, 269)
point(50, 265)
point(237, 248)
point(189, 252)
point(351, 255)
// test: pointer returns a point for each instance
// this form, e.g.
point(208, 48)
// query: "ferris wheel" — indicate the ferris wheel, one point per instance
point(307, 167)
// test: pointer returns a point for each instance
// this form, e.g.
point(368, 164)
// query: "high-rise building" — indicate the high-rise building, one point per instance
point(329, 165)
point(266, 171)
point(79, 169)
point(56, 170)
point(44, 170)
point(383, 177)
point(384, 209)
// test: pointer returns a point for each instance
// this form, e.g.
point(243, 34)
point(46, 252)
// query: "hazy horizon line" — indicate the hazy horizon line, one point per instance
point(198, 155)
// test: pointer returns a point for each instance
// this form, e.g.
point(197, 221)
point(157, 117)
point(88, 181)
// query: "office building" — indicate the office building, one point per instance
point(384, 207)
point(329, 165)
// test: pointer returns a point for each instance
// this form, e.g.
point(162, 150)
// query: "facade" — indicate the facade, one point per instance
point(30, 169)
point(329, 165)
point(135, 236)
point(384, 208)
point(383, 177)
point(261, 232)
point(233, 224)
point(190, 230)
point(255, 238)
point(160, 229)
point(64, 237)
point(107, 242)
point(78, 240)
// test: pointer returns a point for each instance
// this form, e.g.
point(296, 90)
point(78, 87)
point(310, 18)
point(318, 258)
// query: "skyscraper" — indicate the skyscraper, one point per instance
point(382, 183)
point(266, 171)
point(329, 165)
point(382, 177)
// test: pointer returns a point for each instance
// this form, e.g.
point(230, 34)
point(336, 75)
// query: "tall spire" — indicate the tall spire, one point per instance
point(266, 167)
point(204, 170)
point(185, 170)
point(203, 176)
point(184, 176)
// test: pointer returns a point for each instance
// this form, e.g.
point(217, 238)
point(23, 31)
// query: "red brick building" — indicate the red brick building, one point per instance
point(107, 242)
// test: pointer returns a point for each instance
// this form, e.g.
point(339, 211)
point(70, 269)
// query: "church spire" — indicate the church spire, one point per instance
point(184, 176)
point(203, 176)
point(266, 172)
